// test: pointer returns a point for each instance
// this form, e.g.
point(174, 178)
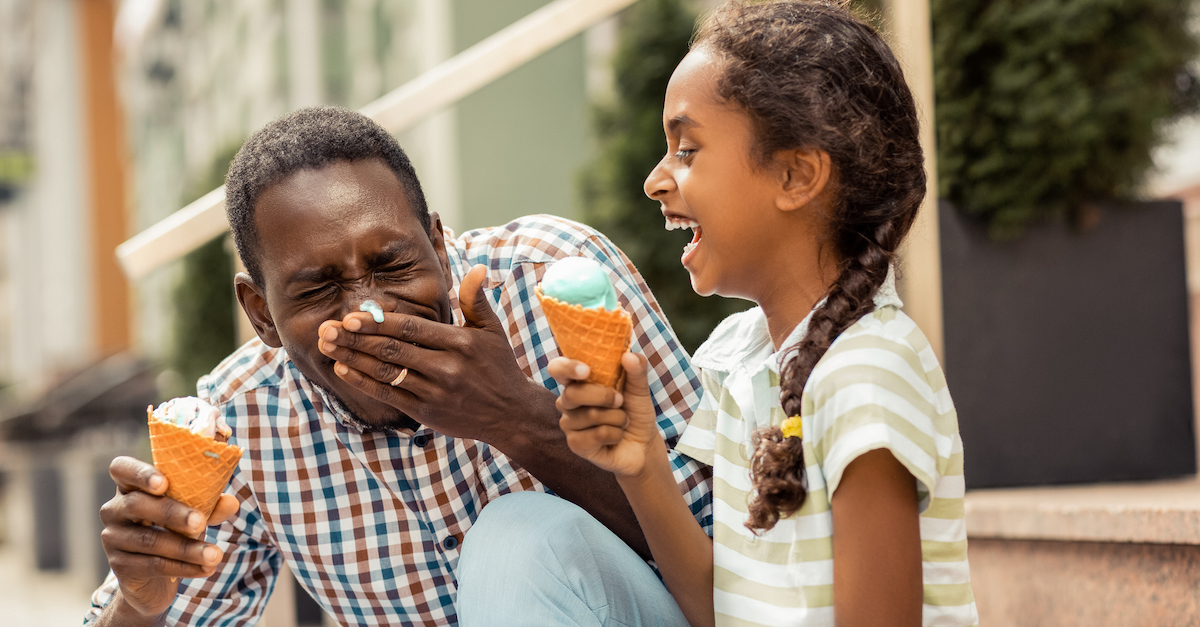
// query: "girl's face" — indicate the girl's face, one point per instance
point(709, 182)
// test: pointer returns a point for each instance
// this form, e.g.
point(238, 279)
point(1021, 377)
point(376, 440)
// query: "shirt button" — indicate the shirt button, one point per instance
point(421, 440)
point(450, 542)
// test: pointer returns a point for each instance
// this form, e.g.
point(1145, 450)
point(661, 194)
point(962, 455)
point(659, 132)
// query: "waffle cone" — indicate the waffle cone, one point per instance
point(194, 476)
point(596, 337)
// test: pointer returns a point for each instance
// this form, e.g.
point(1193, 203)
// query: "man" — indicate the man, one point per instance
point(372, 447)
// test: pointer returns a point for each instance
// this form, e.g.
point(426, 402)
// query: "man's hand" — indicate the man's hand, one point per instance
point(465, 382)
point(149, 540)
point(461, 381)
point(613, 430)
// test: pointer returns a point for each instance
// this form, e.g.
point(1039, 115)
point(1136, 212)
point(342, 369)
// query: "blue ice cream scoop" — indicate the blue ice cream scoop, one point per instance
point(580, 281)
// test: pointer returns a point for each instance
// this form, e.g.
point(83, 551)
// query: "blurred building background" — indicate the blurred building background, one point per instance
point(198, 77)
point(192, 79)
point(116, 113)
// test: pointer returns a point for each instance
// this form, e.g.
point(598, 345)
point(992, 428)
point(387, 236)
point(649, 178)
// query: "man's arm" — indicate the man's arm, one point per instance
point(465, 382)
point(540, 447)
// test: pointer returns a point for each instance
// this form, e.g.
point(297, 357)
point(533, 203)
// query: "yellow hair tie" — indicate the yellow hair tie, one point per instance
point(792, 427)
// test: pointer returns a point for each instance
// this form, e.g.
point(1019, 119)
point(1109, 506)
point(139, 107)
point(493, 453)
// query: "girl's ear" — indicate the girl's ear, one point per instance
point(804, 174)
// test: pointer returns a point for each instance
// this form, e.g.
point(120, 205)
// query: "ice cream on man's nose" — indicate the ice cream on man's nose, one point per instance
point(587, 321)
point(372, 308)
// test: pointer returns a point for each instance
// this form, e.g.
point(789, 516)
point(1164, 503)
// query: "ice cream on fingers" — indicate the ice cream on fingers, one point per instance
point(587, 321)
point(189, 442)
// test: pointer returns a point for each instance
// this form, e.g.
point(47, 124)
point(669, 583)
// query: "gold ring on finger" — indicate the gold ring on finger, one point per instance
point(400, 377)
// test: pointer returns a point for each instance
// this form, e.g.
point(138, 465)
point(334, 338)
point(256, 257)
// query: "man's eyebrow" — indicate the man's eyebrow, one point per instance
point(680, 120)
point(389, 253)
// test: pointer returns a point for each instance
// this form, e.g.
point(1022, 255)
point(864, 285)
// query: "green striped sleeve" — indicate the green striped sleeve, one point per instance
point(725, 620)
point(812, 550)
point(934, 551)
point(804, 596)
point(948, 594)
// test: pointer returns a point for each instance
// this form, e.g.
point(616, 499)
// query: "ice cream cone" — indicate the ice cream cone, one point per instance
point(596, 337)
point(197, 468)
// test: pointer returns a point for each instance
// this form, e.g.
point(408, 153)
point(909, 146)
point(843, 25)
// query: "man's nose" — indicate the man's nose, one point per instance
point(659, 182)
point(372, 298)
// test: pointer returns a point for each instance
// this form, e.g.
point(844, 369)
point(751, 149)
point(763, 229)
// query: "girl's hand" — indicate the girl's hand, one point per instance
point(616, 431)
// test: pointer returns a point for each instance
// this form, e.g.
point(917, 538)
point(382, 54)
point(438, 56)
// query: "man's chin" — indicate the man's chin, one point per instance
point(369, 411)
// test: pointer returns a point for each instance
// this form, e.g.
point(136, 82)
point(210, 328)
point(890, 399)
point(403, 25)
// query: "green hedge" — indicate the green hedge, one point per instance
point(1045, 105)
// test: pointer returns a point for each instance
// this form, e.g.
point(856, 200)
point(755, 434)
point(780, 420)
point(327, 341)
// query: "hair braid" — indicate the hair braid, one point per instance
point(777, 466)
point(809, 74)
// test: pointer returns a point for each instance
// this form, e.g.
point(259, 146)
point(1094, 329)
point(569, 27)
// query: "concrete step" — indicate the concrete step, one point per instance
point(1124, 555)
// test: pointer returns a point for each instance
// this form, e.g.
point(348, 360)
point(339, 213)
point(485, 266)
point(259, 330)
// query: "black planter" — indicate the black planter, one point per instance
point(1067, 353)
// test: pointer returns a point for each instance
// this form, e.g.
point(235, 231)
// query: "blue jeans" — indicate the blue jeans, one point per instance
point(536, 559)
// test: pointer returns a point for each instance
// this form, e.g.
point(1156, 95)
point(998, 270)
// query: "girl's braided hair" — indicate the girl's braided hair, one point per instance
point(809, 74)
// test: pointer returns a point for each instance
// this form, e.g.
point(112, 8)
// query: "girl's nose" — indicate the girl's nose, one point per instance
point(659, 183)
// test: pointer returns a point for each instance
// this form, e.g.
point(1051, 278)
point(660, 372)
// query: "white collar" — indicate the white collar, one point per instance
point(743, 340)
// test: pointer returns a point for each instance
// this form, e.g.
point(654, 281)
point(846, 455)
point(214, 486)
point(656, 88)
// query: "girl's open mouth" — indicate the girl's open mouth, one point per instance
point(697, 232)
point(679, 222)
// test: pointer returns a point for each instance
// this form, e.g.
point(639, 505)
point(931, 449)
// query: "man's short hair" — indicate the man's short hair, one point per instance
point(309, 138)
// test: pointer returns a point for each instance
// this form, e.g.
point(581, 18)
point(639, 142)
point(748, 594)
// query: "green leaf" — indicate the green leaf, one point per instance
point(1045, 105)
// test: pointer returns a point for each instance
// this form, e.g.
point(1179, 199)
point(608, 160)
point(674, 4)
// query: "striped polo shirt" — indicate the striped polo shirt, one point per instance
point(878, 386)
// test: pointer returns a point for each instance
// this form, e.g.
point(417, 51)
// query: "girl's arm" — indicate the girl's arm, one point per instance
point(877, 574)
point(618, 432)
point(681, 549)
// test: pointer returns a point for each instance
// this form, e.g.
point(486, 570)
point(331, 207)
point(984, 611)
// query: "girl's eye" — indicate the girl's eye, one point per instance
point(684, 153)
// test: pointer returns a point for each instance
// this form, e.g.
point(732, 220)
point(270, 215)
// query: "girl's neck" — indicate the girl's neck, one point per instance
point(794, 292)
point(786, 311)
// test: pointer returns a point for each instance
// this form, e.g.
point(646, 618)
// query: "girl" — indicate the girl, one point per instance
point(837, 466)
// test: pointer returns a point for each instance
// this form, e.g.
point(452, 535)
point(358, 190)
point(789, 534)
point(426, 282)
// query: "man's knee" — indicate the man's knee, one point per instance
point(529, 518)
point(537, 554)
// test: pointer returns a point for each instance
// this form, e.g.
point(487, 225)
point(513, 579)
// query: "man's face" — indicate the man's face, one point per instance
point(333, 238)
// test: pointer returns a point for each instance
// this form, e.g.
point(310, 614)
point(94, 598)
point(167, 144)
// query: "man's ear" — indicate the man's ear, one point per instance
point(439, 246)
point(254, 303)
point(804, 174)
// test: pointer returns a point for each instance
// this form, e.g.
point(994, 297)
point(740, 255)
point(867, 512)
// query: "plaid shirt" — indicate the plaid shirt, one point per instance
point(370, 521)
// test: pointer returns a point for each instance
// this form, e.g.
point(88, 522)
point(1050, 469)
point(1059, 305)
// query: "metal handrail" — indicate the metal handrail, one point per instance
point(439, 87)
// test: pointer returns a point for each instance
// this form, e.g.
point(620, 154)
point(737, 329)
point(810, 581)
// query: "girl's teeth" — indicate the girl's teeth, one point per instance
point(687, 248)
point(681, 223)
